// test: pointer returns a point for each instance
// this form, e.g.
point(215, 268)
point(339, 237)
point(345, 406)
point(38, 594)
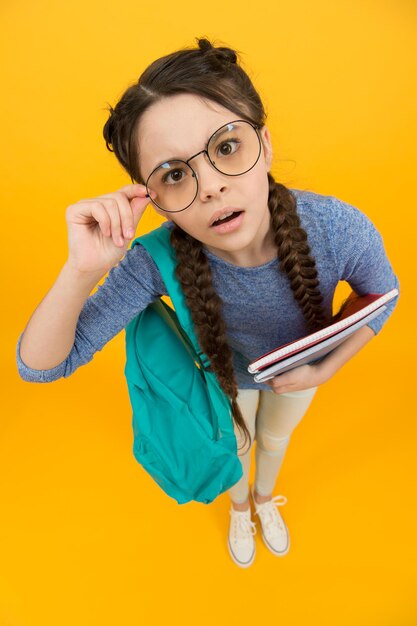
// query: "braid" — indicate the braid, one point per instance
point(294, 254)
point(194, 273)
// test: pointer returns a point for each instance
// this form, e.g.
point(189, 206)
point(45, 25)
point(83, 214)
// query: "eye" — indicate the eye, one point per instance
point(173, 176)
point(226, 148)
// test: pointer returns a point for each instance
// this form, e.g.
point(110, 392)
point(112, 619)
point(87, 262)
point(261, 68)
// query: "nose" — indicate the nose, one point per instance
point(211, 182)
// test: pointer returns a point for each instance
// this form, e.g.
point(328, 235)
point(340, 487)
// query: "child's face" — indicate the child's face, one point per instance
point(179, 126)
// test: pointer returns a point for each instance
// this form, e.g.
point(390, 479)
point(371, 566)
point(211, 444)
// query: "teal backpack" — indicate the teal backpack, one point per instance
point(182, 420)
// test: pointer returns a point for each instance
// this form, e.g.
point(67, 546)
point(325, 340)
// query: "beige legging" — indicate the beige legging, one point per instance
point(270, 418)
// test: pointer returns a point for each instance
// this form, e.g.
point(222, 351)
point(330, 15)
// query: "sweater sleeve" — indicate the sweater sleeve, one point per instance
point(360, 256)
point(127, 290)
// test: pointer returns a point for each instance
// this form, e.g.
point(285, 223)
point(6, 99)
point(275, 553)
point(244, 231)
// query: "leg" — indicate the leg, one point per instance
point(248, 400)
point(278, 415)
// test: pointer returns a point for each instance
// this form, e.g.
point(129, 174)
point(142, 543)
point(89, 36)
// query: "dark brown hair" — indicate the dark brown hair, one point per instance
point(214, 74)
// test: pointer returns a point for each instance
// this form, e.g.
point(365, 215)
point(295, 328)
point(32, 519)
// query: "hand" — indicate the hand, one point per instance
point(299, 378)
point(99, 229)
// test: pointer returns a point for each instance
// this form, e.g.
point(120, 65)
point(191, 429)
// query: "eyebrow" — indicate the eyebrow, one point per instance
point(226, 129)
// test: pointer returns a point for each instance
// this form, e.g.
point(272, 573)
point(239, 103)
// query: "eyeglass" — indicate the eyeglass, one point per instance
point(233, 149)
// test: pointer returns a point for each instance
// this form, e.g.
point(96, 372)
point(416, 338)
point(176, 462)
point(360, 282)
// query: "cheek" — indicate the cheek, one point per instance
point(258, 187)
point(188, 223)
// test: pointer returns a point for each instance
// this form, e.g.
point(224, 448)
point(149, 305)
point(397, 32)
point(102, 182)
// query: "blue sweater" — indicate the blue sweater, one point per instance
point(259, 308)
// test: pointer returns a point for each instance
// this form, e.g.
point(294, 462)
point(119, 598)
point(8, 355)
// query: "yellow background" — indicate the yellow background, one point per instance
point(86, 536)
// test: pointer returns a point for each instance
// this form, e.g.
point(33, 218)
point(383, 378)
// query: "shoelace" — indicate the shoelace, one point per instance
point(242, 524)
point(269, 513)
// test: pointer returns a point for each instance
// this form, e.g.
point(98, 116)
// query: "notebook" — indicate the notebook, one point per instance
point(315, 346)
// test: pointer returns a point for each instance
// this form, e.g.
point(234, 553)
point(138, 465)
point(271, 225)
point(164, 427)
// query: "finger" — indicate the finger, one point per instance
point(283, 389)
point(99, 213)
point(112, 207)
point(139, 205)
point(280, 383)
point(282, 379)
point(127, 217)
point(136, 198)
point(134, 190)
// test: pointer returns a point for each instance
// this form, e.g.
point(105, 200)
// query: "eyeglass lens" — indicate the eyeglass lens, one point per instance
point(233, 150)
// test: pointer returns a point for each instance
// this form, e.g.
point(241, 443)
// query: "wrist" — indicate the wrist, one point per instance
point(81, 277)
point(76, 271)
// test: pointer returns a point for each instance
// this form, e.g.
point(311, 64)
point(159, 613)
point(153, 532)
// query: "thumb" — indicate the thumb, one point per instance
point(138, 206)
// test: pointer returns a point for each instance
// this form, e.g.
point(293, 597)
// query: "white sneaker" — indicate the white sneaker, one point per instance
point(240, 542)
point(274, 531)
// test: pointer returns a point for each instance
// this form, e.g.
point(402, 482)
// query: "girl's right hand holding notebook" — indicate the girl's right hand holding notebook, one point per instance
point(100, 229)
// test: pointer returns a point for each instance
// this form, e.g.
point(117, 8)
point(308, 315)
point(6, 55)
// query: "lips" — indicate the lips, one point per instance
point(221, 212)
point(229, 226)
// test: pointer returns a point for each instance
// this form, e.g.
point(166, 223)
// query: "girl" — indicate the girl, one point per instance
point(258, 262)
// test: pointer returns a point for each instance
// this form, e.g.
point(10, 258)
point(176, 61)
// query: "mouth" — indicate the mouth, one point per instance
point(226, 217)
point(230, 223)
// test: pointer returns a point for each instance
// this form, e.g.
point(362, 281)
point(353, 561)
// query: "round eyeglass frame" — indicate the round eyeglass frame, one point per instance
point(256, 128)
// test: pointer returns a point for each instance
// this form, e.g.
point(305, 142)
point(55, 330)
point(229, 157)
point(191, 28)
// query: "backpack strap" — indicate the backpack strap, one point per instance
point(158, 244)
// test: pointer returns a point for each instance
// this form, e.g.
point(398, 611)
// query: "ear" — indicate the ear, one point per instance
point(267, 145)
